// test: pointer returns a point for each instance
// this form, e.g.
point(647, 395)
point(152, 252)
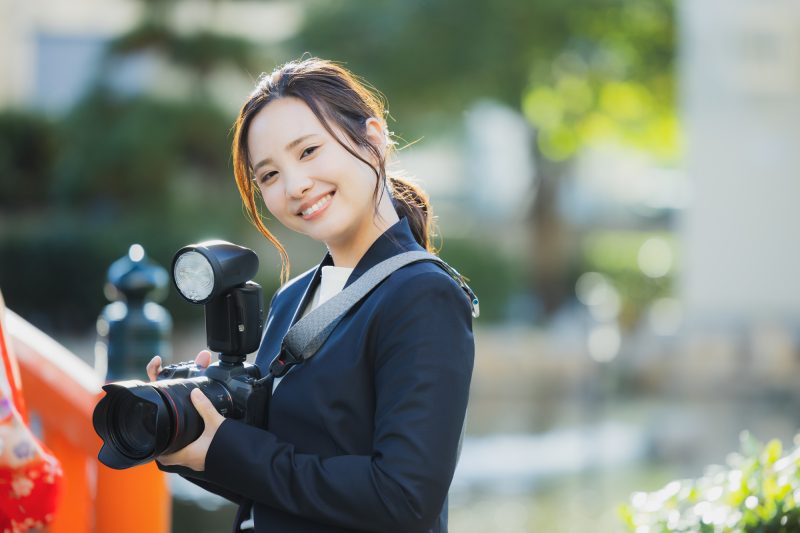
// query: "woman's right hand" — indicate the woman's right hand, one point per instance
point(202, 360)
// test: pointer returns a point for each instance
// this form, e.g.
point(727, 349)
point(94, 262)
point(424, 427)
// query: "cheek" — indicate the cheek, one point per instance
point(367, 183)
point(273, 201)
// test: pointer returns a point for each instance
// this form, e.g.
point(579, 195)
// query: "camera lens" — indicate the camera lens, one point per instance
point(136, 426)
point(134, 423)
point(139, 421)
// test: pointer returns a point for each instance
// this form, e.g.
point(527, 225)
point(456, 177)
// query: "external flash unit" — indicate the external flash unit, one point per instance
point(216, 274)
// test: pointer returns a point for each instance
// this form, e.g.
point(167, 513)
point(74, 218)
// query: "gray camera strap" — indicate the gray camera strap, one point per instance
point(306, 336)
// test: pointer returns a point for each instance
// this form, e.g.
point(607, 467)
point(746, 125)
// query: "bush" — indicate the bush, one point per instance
point(53, 269)
point(492, 276)
point(28, 151)
point(615, 255)
point(127, 152)
point(758, 492)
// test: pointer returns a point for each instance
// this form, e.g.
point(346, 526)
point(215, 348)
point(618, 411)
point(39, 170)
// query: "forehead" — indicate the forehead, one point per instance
point(280, 122)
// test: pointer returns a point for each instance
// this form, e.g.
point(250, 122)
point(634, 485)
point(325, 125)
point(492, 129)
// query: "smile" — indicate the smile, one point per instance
point(320, 204)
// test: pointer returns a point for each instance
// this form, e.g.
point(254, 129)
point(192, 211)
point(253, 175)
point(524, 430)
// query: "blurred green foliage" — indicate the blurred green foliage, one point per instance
point(612, 82)
point(199, 52)
point(128, 151)
point(28, 152)
point(437, 56)
point(492, 276)
point(757, 492)
point(54, 278)
point(112, 172)
point(121, 167)
point(616, 255)
point(129, 166)
point(582, 71)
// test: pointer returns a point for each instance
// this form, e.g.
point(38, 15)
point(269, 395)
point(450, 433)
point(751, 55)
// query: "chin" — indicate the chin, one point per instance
point(324, 233)
point(333, 234)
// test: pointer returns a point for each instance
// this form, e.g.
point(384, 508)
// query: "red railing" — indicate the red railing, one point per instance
point(60, 391)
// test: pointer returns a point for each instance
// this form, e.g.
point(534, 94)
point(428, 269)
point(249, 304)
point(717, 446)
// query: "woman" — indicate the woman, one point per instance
point(364, 436)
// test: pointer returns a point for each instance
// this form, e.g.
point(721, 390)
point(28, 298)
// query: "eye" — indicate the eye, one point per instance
point(308, 151)
point(266, 177)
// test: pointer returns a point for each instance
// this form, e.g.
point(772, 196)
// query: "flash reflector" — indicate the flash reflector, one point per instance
point(194, 276)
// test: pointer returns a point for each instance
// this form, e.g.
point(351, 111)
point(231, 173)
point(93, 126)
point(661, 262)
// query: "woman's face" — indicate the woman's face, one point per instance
point(308, 181)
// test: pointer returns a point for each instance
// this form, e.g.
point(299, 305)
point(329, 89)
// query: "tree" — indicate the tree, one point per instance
point(579, 70)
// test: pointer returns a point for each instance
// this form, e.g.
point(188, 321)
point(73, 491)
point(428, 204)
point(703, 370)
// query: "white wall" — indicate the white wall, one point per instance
point(740, 86)
point(42, 34)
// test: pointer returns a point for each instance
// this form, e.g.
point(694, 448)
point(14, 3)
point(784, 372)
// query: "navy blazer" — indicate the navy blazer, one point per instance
point(363, 436)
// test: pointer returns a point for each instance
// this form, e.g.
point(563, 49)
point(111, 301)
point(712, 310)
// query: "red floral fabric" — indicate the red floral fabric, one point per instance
point(30, 476)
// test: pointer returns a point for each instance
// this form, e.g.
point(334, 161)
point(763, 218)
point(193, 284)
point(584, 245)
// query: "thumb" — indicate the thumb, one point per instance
point(203, 359)
point(204, 406)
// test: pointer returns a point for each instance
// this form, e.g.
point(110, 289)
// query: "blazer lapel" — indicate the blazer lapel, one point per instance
point(310, 288)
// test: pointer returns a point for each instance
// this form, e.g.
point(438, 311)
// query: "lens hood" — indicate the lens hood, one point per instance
point(134, 422)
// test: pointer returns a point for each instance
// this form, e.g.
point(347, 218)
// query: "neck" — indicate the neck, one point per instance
point(350, 252)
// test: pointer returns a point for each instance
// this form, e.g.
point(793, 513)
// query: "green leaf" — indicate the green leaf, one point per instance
point(772, 452)
point(756, 493)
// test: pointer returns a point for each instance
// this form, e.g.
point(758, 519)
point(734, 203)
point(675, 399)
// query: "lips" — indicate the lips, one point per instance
point(311, 207)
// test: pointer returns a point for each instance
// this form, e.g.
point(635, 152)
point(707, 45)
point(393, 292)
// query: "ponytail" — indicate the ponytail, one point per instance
point(413, 203)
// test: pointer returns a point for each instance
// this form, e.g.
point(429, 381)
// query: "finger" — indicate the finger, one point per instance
point(203, 359)
point(201, 402)
point(153, 368)
point(186, 456)
point(204, 406)
point(173, 458)
point(166, 459)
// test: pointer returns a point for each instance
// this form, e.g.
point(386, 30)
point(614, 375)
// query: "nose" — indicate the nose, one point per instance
point(297, 184)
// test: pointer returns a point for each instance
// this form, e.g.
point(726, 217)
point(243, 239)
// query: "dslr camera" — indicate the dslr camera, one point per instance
point(139, 421)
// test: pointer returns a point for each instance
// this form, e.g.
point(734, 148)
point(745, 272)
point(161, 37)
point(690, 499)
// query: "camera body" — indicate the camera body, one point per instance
point(237, 380)
point(139, 421)
point(184, 370)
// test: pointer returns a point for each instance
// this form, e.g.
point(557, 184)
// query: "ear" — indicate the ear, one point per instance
point(376, 133)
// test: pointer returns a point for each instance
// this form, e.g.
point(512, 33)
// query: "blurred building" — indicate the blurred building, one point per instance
point(740, 76)
point(51, 50)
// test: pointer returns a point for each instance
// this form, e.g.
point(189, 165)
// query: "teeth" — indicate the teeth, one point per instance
point(316, 207)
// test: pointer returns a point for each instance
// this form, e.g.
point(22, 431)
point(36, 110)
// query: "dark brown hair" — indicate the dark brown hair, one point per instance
point(335, 96)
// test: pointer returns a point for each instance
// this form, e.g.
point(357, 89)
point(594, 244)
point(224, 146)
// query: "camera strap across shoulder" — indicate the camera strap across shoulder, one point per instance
point(306, 336)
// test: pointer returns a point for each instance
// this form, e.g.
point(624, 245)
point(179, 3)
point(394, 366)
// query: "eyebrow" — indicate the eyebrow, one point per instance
point(291, 145)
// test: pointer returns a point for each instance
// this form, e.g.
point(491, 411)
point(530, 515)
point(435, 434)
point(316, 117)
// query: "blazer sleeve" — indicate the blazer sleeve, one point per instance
point(197, 478)
point(423, 367)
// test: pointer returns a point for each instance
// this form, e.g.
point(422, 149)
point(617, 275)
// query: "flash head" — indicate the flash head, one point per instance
point(205, 270)
point(216, 274)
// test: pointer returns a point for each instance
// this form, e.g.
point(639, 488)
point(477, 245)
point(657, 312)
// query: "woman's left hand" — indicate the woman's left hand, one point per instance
point(194, 454)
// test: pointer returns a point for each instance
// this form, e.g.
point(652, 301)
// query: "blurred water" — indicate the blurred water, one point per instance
point(508, 463)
